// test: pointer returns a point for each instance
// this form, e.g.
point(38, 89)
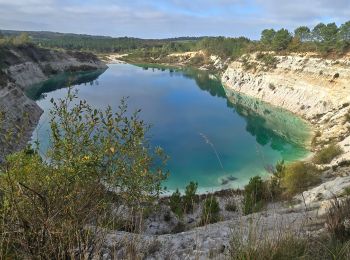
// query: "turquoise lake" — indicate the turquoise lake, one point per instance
point(213, 136)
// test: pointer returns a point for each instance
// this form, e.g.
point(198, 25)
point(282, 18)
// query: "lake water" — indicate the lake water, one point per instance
point(213, 136)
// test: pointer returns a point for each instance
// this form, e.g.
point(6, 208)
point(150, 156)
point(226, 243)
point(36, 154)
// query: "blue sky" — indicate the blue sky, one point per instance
point(169, 18)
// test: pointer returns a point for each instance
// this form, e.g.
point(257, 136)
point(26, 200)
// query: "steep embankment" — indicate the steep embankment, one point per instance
point(314, 88)
point(21, 67)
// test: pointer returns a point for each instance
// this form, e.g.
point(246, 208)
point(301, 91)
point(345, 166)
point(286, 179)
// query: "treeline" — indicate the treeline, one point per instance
point(323, 38)
point(102, 44)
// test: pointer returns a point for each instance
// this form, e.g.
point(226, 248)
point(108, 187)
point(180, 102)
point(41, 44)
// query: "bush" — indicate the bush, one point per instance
point(326, 155)
point(338, 219)
point(52, 208)
point(175, 203)
point(254, 195)
point(298, 176)
point(347, 117)
point(231, 206)
point(210, 211)
point(269, 61)
point(190, 196)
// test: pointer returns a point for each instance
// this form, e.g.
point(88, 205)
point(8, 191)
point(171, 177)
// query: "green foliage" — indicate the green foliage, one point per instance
point(284, 245)
point(231, 206)
point(51, 207)
point(175, 203)
point(223, 47)
point(267, 36)
point(325, 36)
point(254, 195)
point(298, 176)
point(210, 211)
point(19, 40)
point(326, 155)
point(281, 40)
point(303, 33)
point(190, 196)
point(274, 185)
point(268, 60)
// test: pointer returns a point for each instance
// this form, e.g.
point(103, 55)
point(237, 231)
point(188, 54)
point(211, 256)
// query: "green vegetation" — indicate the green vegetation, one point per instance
point(190, 196)
point(184, 204)
point(289, 246)
point(231, 206)
point(334, 243)
point(175, 203)
point(337, 220)
point(18, 40)
point(297, 177)
point(326, 155)
point(254, 195)
point(51, 207)
point(210, 211)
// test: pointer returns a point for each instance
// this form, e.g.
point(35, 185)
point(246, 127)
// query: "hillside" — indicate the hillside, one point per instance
point(25, 65)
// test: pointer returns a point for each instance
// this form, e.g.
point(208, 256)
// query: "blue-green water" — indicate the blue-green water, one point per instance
point(216, 138)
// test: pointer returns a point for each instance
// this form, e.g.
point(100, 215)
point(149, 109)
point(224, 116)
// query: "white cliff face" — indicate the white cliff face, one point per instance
point(316, 89)
point(27, 66)
point(31, 72)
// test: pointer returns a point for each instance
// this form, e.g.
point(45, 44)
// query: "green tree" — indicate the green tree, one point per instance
point(210, 211)
point(325, 36)
point(254, 193)
point(281, 40)
point(267, 36)
point(175, 203)
point(190, 195)
point(344, 31)
point(51, 207)
point(303, 33)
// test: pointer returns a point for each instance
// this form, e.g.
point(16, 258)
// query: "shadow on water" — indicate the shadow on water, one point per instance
point(270, 125)
point(63, 80)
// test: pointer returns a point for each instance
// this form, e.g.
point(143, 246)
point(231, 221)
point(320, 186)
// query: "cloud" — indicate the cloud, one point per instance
point(168, 18)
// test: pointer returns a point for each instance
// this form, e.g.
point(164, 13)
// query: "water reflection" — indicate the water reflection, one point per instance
point(180, 104)
point(63, 80)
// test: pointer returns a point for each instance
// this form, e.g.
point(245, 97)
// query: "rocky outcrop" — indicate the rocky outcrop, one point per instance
point(21, 67)
point(314, 88)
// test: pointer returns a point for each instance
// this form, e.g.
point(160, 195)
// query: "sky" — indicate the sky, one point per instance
point(169, 18)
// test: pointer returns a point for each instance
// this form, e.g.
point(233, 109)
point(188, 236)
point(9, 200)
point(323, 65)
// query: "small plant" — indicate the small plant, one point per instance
point(326, 155)
point(272, 86)
point(190, 195)
point(253, 195)
point(338, 219)
point(298, 176)
point(210, 211)
point(231, 206)
point(269, 61)
point(347, 116)
point(175, 203)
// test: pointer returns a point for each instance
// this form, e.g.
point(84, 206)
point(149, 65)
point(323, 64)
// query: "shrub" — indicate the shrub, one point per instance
point(298, 176)
point(326, 155)
point(51, 208)
point(231, 206)
point(274, 189)
point(347, 117)
point(190, 196)
point(338, 219)
point(254, 197)
point(210, 211)
point(269, 61)
point(175, 203)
